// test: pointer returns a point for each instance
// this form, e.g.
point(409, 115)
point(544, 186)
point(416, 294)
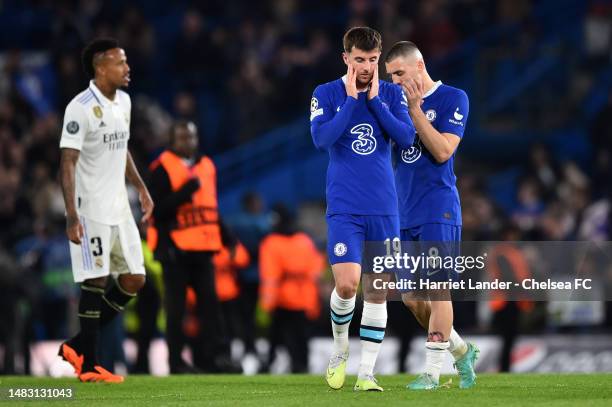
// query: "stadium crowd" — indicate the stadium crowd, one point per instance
point(236, 69)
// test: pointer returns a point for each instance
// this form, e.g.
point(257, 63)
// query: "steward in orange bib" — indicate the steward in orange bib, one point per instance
point(186, 233)
point(290, 266)
point(507, 262)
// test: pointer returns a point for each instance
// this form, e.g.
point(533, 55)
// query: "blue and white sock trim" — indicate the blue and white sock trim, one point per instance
point(371, 333)
point(341, 319)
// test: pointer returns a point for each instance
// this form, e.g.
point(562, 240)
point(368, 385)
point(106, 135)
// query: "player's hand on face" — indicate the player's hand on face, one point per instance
point(74, 229)
point(351, 82)
point(146, 204)
point(414, 92)
point(374, 85)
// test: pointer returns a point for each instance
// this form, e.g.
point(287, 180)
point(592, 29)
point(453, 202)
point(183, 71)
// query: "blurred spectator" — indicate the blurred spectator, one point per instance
point(541, 167)
point(290, 266)
point(530, 204)
point(598, 33)
point(601, 137)
point(434, 29)
point(507, 262)
point(250, 226)
point(185, 106)
point(136, 36)
point(192, 51)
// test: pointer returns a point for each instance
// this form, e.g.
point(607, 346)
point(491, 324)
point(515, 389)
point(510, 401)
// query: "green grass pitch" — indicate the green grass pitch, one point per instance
point(307, 390)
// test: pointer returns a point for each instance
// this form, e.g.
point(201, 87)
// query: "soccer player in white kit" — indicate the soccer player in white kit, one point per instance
point(104, 238)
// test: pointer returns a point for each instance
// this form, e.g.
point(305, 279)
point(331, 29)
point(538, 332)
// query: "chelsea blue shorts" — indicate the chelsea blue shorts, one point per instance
point(347, 234)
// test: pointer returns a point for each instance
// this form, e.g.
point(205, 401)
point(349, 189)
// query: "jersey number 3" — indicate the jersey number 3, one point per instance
point(365, 143)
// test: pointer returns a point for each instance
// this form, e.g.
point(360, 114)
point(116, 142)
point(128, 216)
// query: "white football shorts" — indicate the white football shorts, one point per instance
point(107, 250)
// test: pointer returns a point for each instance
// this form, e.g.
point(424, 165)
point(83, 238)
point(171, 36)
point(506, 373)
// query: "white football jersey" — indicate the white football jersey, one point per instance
point(100, 129)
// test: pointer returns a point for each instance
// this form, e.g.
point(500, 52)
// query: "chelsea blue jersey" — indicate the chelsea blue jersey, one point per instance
point(357, 134)
point(426, 189)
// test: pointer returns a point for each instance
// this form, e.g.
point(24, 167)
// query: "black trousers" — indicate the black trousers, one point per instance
point(247, 302)
point(505, 323)
point(196, 270)
point(230, 311)
point(291, 329)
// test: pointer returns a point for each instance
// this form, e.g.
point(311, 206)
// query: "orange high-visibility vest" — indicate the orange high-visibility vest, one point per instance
point(226, 281)
point(197, 222)
point(520, 269)
point(289, 267)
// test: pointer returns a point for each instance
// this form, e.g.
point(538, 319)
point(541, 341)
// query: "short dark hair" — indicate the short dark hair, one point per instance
point(95, 47)
point(364, 38)
point(401, 49)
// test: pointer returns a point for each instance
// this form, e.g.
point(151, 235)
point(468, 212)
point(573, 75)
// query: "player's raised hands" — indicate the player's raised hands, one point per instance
point(414, 91)
point(373, 92)
point(74, 229)
point(351, 82)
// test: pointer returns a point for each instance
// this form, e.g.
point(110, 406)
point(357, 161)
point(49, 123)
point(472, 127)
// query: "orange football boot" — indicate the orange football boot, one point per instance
point(100, 375)
point(70, 355)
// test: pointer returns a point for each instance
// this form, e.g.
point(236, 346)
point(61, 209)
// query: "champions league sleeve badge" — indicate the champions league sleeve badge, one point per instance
point(72, 127)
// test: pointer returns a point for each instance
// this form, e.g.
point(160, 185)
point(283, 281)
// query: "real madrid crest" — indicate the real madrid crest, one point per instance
point(97, 110)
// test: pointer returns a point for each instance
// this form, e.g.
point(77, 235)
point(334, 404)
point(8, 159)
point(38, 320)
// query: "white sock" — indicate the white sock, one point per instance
point(457, 346)
point(341, 315)
point(435, 352)
point(372, 333)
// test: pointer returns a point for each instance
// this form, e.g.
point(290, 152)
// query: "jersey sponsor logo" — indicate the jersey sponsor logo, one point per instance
point(413, 153)
point(116, 140)
point(314, 108)
point(431, 115)
point(97, 111)
point(340, 249)
point(365, 143)
point(72, 127)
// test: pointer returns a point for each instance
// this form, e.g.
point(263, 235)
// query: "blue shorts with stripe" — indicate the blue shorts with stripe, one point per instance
point(347, 234)
point(431, 240)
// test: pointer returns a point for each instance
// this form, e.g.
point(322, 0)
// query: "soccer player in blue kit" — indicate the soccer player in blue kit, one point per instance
point(354, 118)
point(429, 205)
